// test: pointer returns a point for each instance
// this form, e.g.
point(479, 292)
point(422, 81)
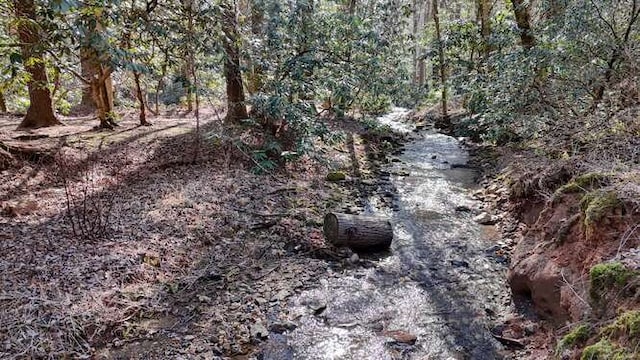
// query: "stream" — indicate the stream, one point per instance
point(438, 290)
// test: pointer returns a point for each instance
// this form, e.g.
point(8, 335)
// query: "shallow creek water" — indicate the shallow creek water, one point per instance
point(437, 282)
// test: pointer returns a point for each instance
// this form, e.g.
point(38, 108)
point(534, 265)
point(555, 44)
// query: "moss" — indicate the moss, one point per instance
point(578, 335)
point(595, 205)
point(336, 176)
point(628, 323)
point(604, 350)
point(608, 275)
point(584, 182)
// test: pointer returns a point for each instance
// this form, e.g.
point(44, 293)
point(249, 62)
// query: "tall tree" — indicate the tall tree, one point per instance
point(40, 111)
point(95, 50)
point(442, 65)
point(236, 108)
point(523, 20)
point(3, 103)
point(483, 16)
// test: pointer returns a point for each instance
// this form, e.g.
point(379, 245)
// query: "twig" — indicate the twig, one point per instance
point(572, 289)
point(507, 341)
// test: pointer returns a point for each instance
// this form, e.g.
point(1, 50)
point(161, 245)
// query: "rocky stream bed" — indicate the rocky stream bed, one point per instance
point(440, 290)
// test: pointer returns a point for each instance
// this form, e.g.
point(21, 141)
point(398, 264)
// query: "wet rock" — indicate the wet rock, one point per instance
point(485, 219)
point(459, 263)
point(401, 336)
point(368, 182)
point(281, 327)
point(277, 348)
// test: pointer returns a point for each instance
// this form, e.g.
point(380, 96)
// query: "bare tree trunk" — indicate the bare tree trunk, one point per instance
point(484, 19)
point(236, 108)
point(3, 103)
point(40, 111)
point(102, 93)
point(523, 20)
point(255, 81)
point(88, 71)
point(443, 70)
point(140, 96)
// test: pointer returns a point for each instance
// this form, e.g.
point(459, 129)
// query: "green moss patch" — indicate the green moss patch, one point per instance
point(627, 324)
point(584, 182)
point(604, 350)
point(577, 335)
point(336, 176)
point(608, 275)
point(596, 204)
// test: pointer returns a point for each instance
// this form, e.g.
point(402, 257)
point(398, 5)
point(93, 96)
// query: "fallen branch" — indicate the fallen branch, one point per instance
point(507, 341)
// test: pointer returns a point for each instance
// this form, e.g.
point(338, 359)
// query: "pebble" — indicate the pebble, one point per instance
point(484, 219)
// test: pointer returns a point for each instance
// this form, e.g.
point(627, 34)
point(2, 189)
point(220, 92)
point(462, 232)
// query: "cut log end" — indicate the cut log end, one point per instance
point(359, 232)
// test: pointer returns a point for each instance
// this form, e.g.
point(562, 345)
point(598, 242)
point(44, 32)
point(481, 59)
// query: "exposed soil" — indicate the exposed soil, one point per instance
point(555, 244)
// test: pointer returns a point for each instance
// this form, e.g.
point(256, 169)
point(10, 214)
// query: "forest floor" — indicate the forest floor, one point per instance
point(121, 246)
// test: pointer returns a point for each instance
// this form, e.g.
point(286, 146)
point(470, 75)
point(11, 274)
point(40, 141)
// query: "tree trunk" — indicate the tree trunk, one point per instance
point(484, 19)
point(358, 232)
point(102, 93)
point(236, 108)
point(40, 111)
point(443, 70)
point(3, 103)
point(255, 75)
point(140, 96)
point(88, 71)
point(523, 20)
point(99, 81)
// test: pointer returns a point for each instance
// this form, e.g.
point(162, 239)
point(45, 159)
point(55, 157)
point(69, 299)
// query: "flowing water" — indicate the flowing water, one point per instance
point(437, 282)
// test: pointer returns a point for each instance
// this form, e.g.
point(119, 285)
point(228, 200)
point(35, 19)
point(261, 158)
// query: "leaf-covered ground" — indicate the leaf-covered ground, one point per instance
point(195, 260)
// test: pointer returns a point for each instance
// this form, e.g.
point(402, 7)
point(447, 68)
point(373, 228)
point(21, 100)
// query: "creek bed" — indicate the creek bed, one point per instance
point(434, 295)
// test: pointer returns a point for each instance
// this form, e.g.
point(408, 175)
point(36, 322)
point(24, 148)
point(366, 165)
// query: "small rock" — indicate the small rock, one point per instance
point(463, 208)
point(280, 295)
point(188, 337)
point(484, 219)
point(354, 259)
point(258, 331)
point(401, 336)
point(281, 327)
point(336, 176)
point(459, 263)
point(530, 329)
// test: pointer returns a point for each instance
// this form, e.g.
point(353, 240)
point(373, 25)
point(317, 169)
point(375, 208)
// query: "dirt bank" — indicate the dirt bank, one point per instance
point(574, 260)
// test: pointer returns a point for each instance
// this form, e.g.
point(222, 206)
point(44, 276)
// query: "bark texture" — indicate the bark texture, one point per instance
point(523, 20)
point(236, 108)
point(358, 232)
point(40, 111)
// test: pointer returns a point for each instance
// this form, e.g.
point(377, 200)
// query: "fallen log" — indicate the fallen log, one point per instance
point(359, 232)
